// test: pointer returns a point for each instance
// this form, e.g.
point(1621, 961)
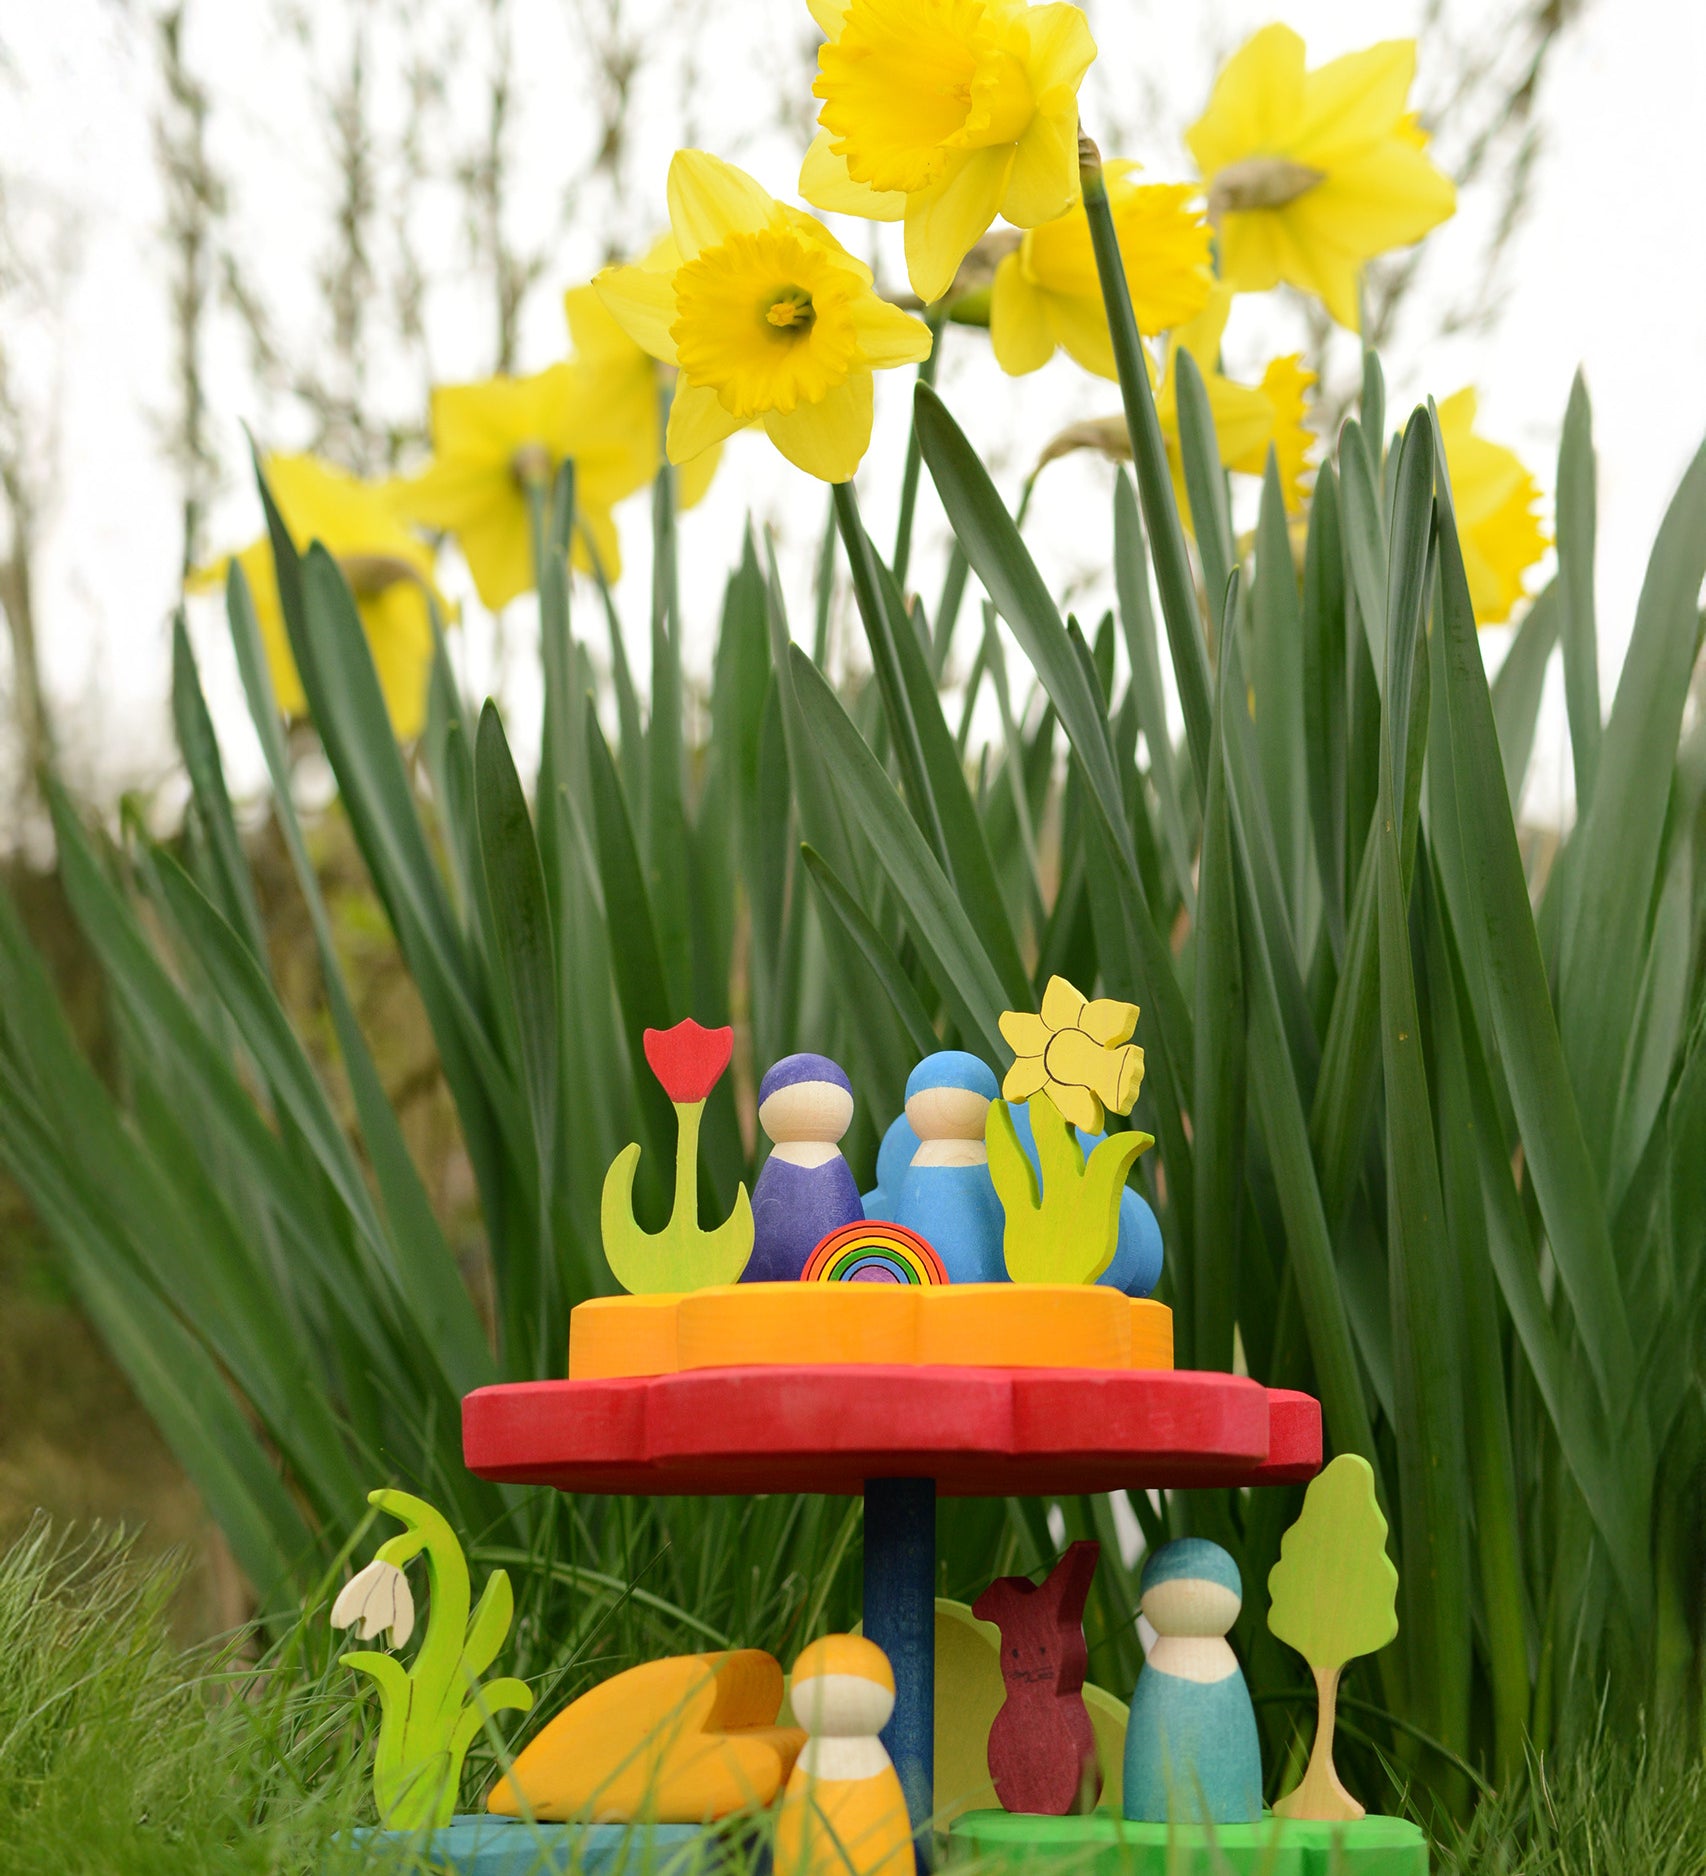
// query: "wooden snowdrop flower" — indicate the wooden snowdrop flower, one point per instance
point(375, 1599)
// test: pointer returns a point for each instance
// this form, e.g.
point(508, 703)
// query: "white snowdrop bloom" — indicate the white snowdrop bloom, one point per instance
point(376, 1599)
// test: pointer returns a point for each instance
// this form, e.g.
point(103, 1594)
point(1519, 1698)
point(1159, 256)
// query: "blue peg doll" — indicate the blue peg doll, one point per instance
point(1191, 1750)
point(894, 1156)
point(805, 1189)
point(947, 1195)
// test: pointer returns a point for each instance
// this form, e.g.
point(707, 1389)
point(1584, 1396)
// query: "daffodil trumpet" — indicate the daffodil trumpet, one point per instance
point(431, 1710)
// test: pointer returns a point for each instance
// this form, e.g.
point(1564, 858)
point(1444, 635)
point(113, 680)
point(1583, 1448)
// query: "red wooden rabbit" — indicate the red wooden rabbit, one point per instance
point(1042, 1749)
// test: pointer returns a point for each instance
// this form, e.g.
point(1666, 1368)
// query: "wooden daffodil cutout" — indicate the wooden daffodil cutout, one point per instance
point(1068, 1231)
point(689, 1061)
point(1078, 1052)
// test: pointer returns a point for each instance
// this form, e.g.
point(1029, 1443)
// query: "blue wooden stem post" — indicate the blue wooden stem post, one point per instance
point(900, 1617)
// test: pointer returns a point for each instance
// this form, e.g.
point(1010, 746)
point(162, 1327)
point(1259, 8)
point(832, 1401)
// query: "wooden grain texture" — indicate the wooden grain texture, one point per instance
point(979, 1432)
point(799, 1324)
point(1333, 1595)
point(681, 1741)
point(1042, 1747)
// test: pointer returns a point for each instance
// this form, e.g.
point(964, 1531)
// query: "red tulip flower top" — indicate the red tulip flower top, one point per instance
point(689, 1060)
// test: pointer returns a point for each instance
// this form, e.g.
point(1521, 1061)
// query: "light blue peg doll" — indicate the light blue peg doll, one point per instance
point(893, 1157)
point(947, 1195)
point(1191, 1750)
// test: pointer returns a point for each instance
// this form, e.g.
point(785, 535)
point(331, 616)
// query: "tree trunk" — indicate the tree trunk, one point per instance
point(1320, 1795)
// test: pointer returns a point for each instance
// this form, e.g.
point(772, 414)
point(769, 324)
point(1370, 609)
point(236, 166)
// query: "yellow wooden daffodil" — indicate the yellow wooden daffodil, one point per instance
point(1495, 498)
point(945, 114)
point(768, 318)
point(1312, 174)
point(1077, 1052)
point(1247, 418)
point(1047, 292)
point(630, 373)
point(388, 568)
point(492, 439)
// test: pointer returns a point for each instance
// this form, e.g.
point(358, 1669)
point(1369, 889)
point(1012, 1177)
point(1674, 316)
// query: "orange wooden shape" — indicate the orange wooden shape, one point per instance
point(965, 1325)
point(679, 1741)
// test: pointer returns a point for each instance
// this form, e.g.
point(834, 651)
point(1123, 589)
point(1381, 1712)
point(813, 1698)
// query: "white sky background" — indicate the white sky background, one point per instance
point(1609, 271)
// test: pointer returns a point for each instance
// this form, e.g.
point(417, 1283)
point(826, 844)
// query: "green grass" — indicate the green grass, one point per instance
point(121, 1752)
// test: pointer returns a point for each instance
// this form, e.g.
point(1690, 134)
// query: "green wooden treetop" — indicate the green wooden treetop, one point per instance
point(1334, 1591)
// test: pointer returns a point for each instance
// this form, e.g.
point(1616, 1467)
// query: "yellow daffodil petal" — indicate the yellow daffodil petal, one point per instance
point(828, 438)
point(1081, 327)
point(597, 545)
point(1285, 384)
point(498, 546)
point(829, 14)
point(1355, 100)
point(944, 222)
point(1043, 182)
point(1201, 335)
point(693, 479)
point(1062, 51)
point(1061, 1004)
point(1107, 1021)
point(1077, 1105)
point(1020, 333)
point(642, 303)
point(709, 200)
point(825, 183)
point(1256, 100)
point(399, 634)
point(1495, 499)
point(1026, 1077)
point(1024, 1033)
point(887, 336)
point(697, 421)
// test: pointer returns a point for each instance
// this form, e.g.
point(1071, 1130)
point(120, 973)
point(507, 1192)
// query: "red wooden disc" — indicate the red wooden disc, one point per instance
point(978, 1432)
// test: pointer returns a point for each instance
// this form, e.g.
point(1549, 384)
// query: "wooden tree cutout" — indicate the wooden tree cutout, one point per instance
point(1333, 1596)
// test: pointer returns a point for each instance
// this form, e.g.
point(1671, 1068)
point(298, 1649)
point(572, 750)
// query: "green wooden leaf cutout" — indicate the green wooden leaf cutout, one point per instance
point(1068, 1231)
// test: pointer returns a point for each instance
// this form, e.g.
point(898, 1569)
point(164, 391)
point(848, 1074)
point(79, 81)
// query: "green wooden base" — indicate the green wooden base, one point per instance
point(1103, 1845)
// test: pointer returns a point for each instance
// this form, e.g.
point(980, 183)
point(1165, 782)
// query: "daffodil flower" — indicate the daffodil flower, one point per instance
point(768, 319)
point(1312, 174)
point(1078, 1052)
point(630, 374)
point(493, 439)
point(389, 570)
point(945, 114)
point(376, 1599)
point(1495, 498)
point(1247, 418)
point(1047, 292)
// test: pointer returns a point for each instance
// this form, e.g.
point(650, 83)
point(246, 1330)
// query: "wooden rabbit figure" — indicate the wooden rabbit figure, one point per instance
point(1042, 1748)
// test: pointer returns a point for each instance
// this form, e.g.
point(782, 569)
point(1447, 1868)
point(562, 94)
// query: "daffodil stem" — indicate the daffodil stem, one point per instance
point(1154, 480)
point(914, 459)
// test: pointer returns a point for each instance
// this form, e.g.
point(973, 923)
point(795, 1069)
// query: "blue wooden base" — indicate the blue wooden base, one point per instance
point(479, 1845)
point(900, 1617)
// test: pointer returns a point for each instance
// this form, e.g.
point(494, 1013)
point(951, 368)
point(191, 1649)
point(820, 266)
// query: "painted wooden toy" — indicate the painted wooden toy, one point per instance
point(679, 1741)
point(805, 1190)
point(1077, 1052)
point(893, 1157)
point(1138, 1254)
point(844, 1813)
point(1068, 1230)
point(947, 1196)
point(1333, 1596)
point(1042, 1747)
point(874, 1251)
point(431, 1710)
point(689, 1061)
point(1191, 1750)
